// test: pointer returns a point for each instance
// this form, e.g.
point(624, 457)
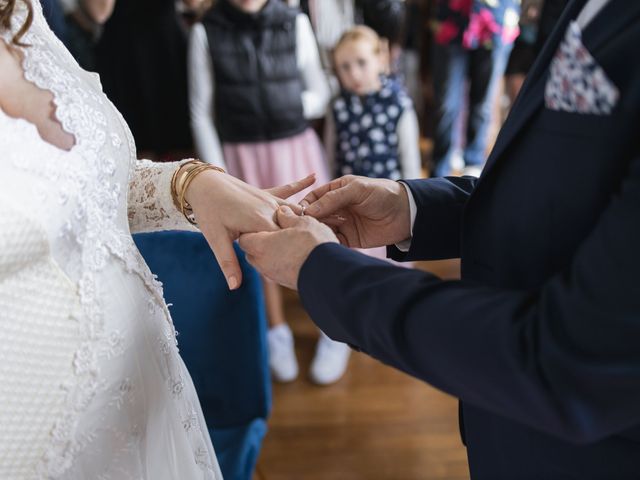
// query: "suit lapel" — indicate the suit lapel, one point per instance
point(532, 92)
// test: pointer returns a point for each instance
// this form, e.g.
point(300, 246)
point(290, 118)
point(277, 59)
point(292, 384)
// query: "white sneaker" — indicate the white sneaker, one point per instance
point(282, 356)
point(330, 361)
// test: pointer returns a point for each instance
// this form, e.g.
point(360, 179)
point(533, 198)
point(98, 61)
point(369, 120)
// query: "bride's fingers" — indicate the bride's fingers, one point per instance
point(285, 191)
point(297, 209)
point(222, 247)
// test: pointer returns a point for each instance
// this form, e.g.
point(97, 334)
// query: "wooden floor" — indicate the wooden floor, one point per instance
point(376, 423)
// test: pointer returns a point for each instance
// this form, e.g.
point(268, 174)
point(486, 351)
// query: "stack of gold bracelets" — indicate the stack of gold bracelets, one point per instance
point(182, 178)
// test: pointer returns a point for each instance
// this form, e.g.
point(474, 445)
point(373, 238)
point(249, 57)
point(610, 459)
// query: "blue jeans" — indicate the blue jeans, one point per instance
point(452, 67)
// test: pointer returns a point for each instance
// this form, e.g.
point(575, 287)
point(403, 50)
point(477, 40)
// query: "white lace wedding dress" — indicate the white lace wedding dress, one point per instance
point(91, 383)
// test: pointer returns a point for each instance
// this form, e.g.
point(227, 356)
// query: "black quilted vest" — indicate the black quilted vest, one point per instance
point(258, 89)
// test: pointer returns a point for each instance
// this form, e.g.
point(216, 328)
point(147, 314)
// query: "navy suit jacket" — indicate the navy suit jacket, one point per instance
point(541, 338)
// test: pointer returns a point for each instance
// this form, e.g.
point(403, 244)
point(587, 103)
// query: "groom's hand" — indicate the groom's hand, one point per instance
point(363, 212)
point(279, 255)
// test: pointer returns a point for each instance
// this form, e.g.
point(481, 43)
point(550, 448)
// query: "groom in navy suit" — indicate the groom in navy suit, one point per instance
point(540, 339)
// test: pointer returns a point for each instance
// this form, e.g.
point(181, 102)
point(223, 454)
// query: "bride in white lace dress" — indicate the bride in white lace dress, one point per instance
point(91, 382)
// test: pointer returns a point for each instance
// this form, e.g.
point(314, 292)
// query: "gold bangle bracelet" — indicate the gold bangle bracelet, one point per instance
point(181, 180)
point(186, 209)
point(177, 179)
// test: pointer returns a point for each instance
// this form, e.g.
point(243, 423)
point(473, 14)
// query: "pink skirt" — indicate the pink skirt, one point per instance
point(275, 163)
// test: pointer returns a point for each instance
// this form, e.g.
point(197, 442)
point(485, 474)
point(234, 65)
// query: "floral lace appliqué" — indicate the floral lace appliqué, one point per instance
point(151, 206)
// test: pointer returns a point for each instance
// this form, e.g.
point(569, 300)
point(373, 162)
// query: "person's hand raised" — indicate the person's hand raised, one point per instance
point(226, 207)
point(363, 212)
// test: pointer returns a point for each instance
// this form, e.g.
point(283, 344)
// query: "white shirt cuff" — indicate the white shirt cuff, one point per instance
point(405, 245)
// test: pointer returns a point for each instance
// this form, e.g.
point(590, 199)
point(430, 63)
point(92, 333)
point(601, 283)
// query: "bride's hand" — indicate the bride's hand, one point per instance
point(226, 207)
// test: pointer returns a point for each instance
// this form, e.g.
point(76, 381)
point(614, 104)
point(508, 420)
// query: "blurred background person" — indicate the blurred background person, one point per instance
point(536, 23)
point(472, 40)
point(142, 61)
point(387, 19)
point(524, 50)
point(372, 128)
point(329, 19)
point(255, 81)
point(54, 14)
point(410, 60)
point(190, 11)
point(549, 16)
point(84, 27)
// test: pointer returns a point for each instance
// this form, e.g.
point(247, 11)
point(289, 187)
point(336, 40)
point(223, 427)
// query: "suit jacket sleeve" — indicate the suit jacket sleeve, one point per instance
point(437, 229)
point(563, 358)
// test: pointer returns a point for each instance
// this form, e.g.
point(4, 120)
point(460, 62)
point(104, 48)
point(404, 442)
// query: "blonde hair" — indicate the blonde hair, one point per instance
point(366, 34)
point(7, 8)
point(360, 33)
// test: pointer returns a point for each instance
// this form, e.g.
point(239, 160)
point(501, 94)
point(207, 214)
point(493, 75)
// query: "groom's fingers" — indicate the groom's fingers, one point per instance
point(297, 209)
point(222, 247)
point(253, 245)
point(319, 192)
point(333, 220)
point(331, 202)
point(286, 218)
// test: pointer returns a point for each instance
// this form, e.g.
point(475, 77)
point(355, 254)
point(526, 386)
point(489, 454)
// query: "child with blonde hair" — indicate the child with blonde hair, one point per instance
point(372, 127)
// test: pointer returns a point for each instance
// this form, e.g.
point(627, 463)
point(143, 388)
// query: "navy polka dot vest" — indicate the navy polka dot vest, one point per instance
point(366, 138)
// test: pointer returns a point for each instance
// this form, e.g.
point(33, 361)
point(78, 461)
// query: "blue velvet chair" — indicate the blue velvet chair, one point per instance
point(222, 339)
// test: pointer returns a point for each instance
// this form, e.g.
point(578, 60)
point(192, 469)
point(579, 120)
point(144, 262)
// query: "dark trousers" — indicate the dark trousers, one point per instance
point(455, 67)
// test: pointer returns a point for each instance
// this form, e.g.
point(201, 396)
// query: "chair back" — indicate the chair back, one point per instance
point(221, 334)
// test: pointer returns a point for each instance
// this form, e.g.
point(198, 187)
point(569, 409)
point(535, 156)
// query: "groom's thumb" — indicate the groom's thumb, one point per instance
point(286, 218)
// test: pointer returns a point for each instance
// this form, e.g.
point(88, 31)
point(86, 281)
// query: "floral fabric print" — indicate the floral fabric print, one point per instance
point(476, 23)
point(576, 82)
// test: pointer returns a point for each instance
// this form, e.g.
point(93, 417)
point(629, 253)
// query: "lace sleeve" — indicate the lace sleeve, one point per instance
point(151, 207)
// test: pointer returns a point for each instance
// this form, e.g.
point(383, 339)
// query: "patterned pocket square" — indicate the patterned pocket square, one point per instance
point(576, 82)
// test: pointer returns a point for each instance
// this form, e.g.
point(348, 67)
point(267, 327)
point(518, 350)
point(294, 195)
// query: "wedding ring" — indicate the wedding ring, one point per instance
point(303, 209)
